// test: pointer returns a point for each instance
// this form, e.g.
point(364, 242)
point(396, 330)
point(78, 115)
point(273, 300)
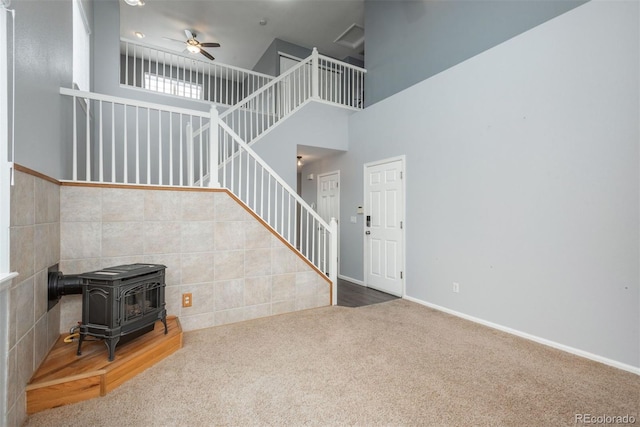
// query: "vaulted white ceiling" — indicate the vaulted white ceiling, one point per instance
point(235, 24)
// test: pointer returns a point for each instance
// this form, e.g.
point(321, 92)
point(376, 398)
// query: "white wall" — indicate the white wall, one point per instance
point(315, 125)
point(522, 169)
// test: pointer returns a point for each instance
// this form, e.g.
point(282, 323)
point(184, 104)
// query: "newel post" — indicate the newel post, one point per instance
point(333, 260)
point(213, 148)
point(315, 74)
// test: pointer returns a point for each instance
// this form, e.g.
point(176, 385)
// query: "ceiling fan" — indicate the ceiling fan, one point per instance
point(195, 46)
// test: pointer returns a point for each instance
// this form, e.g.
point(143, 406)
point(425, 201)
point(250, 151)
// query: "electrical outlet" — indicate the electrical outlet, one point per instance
point(456, 287)
point(187, 299)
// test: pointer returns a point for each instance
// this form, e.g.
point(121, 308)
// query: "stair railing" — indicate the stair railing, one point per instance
point(317, 78)
point(160, 70)
point(252, 181)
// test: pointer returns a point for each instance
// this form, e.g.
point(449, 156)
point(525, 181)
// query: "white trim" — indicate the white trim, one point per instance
point(5, 165)
point(5, 280)
point(403, 171)
point(83, 16)
point(351, 279)
point(134, 102)
point(543, 341)
point(294, 58)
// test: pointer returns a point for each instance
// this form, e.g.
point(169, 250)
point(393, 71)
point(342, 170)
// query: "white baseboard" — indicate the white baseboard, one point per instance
point(351, 279)
point(575, 351)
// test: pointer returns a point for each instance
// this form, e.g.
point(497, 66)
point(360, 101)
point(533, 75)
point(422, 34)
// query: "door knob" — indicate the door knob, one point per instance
point(367, 232)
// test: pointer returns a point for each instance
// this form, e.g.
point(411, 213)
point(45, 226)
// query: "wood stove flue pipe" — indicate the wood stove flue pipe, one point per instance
point(60, 284)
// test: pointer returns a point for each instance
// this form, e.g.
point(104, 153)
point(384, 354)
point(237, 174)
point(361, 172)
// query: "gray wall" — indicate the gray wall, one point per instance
point(269, 62)
point(106, 60)
point(408, 41)
point(315, 125)
point(43, 65)
point(522, 182)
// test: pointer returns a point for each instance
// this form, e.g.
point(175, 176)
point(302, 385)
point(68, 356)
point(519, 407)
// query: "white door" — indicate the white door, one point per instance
point(289, 98)
point(384, 228)
point(328, 202)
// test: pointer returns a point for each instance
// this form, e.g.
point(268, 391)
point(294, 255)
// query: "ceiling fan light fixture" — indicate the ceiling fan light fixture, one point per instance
point(193, 48)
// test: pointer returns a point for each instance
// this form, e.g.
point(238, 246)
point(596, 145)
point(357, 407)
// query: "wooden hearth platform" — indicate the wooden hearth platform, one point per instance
point(64, 377)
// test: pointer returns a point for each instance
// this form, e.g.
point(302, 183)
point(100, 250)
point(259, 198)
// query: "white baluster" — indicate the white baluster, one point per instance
point(74, 174)
point(100, 147)
point(124, 139)
point(137, 147)
point(190, 142)
point(213, 148)
point(113, 142)
point(315, 81)
point(333, 260)
point(160, 147)
point(88, 140)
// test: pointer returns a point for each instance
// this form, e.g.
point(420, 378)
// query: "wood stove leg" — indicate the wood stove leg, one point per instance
point(164, 322)
point(111, 346)
point(80, 339)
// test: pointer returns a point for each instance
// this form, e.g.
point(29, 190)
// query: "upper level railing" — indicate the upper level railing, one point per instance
point(125, 141)
point(317, 77)
point(159, 70)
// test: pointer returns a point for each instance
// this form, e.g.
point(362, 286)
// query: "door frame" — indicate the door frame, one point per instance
point(365, 249)
point(319, 176)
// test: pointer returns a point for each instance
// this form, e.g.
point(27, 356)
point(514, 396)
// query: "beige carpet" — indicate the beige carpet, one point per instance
point(395, 363)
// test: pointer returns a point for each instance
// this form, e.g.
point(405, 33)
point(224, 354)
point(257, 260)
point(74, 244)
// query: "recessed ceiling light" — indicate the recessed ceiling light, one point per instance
point(139, 34)
point(134, 2)
point(263, 21)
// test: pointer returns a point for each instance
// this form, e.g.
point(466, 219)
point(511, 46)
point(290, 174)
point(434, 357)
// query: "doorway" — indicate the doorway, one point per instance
point(328, 200)
point(384, 201)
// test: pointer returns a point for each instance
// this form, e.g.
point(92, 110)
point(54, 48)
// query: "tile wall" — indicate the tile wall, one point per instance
point(234, 267)
point(35, 245)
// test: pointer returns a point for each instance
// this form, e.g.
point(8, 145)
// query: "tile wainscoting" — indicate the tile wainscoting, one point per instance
point(233, 265)
point(35, 245)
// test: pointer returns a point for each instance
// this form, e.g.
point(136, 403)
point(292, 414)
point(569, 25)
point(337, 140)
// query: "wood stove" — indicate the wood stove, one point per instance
point(118, 303)
point(121, 303)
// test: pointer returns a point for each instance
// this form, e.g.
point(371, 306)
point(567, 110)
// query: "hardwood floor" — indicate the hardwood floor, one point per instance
point(352, 295)
point(64, 377)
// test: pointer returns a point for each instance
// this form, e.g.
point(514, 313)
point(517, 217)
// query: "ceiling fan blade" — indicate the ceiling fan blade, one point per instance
point(205, 53)
point(189, 34)
point(210, 44)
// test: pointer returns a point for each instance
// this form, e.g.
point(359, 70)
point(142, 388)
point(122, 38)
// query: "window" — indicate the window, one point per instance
point(81, 48)
point(172, 86)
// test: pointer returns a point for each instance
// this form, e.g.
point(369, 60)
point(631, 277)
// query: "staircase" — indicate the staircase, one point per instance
point(125, 141)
